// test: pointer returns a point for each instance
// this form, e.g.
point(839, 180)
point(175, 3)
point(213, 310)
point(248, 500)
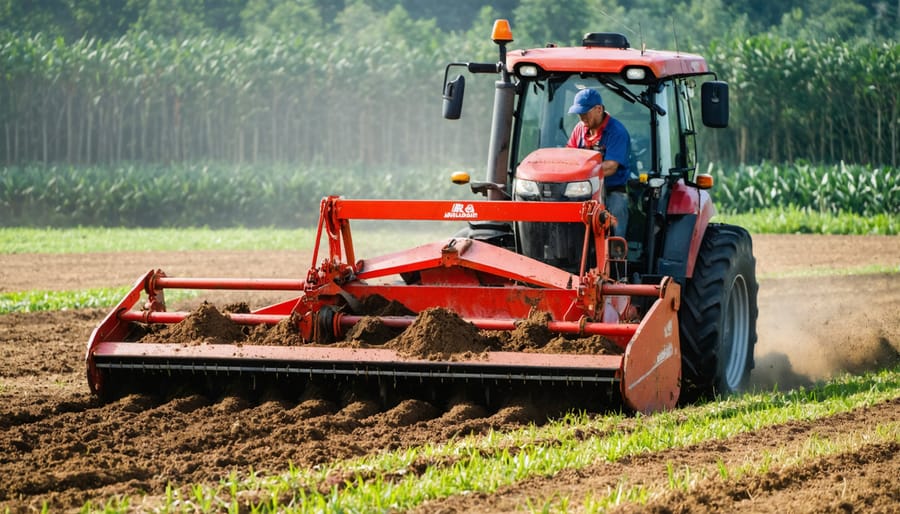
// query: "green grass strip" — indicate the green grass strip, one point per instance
point(367, 236)
point(96, 298)
point(372, 236)
point(95, 240)
point(484, 464)
point(33, 301)
point(793, 220)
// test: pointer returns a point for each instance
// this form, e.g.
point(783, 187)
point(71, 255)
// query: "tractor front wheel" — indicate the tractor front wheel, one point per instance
point(718, 315)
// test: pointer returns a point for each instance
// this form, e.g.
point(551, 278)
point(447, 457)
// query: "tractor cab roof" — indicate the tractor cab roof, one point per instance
point(600, 59)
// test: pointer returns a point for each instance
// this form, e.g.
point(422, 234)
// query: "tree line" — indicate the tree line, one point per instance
point(547, 20)
point(349, 82)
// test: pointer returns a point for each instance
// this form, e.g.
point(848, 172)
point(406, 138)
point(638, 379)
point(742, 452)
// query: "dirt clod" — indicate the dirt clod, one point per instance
point(596, 345)
point(371, 331)
point(531, 333)
point(283, 333)
point(377, 305)
point(439, 334)
point(205, 325)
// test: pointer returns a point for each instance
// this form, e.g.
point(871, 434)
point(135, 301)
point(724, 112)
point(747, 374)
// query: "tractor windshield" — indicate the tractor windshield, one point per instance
point(544, 120)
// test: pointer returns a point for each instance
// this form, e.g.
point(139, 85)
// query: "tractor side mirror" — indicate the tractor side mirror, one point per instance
point(714, 103)
point(453, 97)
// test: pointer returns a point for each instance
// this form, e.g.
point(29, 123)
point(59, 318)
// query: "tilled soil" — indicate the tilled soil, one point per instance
point(60, 446)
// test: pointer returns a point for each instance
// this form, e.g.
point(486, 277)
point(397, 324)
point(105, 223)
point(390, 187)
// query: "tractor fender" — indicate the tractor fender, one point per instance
point(690, 210)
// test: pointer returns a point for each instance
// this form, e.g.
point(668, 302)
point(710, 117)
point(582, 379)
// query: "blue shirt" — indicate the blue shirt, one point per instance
point(614, 144)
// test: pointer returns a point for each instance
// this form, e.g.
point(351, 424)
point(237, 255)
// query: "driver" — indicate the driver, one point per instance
point(599, 131)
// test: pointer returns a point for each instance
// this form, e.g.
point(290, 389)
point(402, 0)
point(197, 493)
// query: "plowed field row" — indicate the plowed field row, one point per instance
point(61, 447)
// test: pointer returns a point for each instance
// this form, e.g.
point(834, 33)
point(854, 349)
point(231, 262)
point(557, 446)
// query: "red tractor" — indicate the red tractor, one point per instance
point(676, 295)
point(669, 234)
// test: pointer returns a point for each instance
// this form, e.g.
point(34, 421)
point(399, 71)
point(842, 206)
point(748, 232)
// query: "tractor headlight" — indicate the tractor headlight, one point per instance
point(527, 188)
point(581, 190)
point(528, 70)
point(635, 74)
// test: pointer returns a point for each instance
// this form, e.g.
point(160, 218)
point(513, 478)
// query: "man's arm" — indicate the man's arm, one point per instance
point(609, 167)
point(616, 152)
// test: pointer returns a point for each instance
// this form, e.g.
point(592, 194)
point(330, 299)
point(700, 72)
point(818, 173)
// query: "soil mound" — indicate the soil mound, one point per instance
point(284, 333)
point(533, 335)
point(408, 412)
point(530, 334)
point(370, 330)
point(204, 325)
point(377, 305)
point(439, 334)
point(594, 345)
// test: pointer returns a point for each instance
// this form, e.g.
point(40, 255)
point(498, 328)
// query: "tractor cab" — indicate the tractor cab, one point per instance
point(652, 93)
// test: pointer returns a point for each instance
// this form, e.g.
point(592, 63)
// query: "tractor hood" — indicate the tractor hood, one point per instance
point(560, 165)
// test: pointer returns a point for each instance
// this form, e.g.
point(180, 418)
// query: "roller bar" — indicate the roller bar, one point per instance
point(355, 362)
point(562, 327)
point(237, 284)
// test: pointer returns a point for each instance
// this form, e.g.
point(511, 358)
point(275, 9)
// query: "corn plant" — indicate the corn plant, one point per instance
point(856, 189)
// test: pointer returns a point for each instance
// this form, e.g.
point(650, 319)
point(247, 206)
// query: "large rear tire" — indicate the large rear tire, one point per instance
point(718, 315)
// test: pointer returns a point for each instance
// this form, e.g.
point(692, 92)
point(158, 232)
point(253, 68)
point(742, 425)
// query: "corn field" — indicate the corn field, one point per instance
point(197, 195)
point(861, 190)
point(226, 195)
point(338, 102)
point(149, 100)
point(816, 101)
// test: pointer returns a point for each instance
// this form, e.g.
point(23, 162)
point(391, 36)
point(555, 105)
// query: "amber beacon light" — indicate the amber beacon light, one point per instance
point(502, 32)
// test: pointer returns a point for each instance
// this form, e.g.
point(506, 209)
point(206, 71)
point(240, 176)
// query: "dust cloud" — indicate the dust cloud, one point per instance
point(815, 331)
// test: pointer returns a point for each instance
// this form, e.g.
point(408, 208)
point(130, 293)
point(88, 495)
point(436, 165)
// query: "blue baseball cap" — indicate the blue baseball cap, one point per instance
point(585, 100)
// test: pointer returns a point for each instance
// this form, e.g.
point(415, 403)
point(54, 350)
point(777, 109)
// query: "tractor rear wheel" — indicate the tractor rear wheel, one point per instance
point(718, 315)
